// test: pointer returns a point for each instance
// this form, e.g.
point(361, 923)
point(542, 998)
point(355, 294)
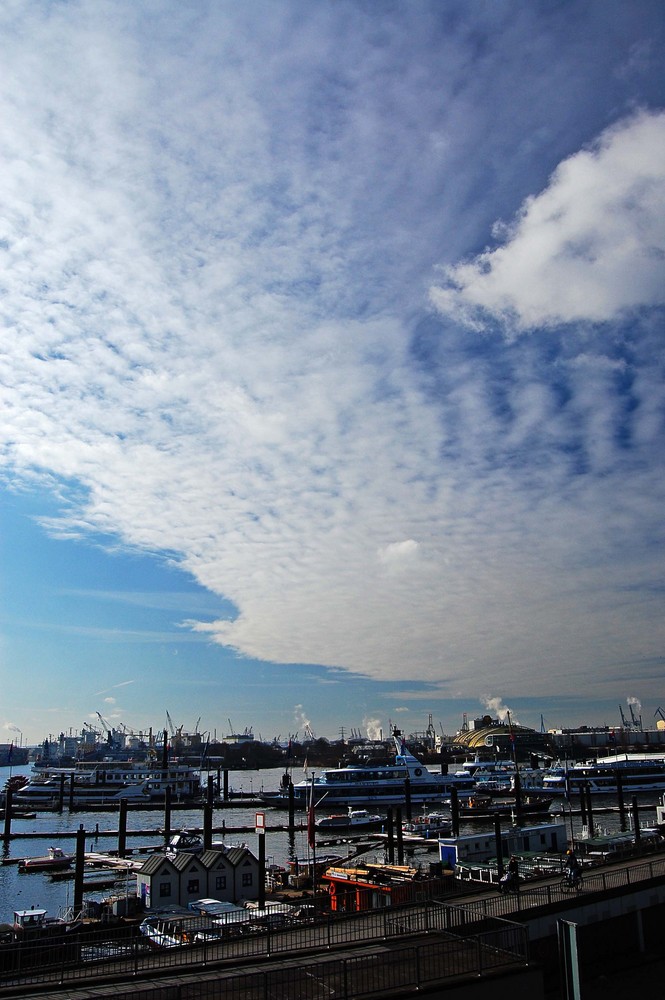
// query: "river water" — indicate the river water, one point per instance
point(21, 891)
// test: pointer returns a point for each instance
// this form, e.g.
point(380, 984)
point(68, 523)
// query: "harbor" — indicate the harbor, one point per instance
point(235, 823)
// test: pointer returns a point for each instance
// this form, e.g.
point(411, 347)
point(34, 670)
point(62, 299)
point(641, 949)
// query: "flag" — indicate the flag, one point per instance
point(311, 829)
point(11, 752)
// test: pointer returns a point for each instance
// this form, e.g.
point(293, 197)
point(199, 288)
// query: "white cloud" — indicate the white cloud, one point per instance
point(587, 248)
point(398, 552)
point(209, 287)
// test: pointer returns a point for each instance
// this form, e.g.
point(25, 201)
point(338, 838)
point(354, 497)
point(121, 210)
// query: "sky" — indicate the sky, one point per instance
point(331, 364)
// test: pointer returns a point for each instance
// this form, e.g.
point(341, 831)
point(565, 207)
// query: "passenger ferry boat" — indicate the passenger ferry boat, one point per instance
point(91, 784)
point(639, 772)
point(372, 784)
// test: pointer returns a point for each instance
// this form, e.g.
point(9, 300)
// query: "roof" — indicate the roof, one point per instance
point(180, 862)
point(212, 857)
point(183, 861)
point(152, 864)
point(238, 854)
point(484, 736)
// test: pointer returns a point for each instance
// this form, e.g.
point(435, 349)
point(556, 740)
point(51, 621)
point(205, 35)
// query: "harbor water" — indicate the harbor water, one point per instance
point(22, 891)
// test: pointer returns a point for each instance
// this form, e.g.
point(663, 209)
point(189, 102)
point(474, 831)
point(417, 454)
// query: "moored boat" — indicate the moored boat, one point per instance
point(633, 772)
point(354, 819)
point(184, 842)
point(372, 784)
point(539, 838)
point(53, 861)
point(432, 824)
point(93, 785)
point(485, 806)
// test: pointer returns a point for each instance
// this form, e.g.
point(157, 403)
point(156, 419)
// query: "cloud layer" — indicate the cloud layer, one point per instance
point(587, 248)
point(217, 345)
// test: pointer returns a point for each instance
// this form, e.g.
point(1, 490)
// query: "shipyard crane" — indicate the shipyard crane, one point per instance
point(637, 723)
point(170, 723)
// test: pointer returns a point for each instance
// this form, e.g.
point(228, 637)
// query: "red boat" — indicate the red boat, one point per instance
point(55, 860)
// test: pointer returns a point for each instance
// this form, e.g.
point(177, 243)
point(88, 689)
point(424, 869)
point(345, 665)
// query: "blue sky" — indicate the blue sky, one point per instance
point(331, 364)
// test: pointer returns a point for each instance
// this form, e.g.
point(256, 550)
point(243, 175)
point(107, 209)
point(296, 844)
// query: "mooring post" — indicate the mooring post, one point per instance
point(498, 846)
point(8, 815)
point(262, 869)
point(391, 836)
point(400, 838)
point(291, 809)
point(122, 829)
point(589, 810)
point(622, 804)
point(167, 814)
point(79, 866)
point(636, 821)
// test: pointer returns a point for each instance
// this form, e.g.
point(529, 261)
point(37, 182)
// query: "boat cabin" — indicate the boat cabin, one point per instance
point(373, 886)
point(32, 919)
point(539, 838)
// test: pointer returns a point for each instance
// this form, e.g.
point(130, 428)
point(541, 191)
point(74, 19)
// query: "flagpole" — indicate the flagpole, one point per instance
point(312, 835)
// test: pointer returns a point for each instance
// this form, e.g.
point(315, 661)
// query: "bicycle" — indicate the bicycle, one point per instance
point(510, 886)
point(572, 882)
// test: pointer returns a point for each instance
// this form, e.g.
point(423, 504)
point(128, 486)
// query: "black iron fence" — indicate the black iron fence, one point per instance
point(594, 881)
point(119, 953)
point(480, 930)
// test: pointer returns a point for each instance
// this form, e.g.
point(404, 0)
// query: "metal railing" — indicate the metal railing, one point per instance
point(76, 957)
point(594, 881)
point(120, 952)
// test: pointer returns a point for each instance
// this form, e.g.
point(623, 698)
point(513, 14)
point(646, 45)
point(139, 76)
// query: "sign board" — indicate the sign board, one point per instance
point(260, 822)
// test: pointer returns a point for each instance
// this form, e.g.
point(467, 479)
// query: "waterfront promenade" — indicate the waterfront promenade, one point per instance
point(475, 934)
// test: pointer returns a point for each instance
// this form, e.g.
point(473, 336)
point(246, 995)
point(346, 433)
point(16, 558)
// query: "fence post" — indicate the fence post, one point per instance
point(63, 951)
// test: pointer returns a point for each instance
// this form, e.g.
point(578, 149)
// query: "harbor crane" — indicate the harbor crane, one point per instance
point(637, 722)
point(107, 726)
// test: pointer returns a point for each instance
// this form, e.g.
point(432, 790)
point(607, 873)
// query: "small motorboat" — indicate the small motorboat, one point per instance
point(429, 825)
point(55, 860)
point(184, 842)
point(482, 806)
point(354, 819)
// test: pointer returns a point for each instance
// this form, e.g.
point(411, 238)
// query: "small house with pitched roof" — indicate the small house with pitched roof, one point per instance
point(228, 874)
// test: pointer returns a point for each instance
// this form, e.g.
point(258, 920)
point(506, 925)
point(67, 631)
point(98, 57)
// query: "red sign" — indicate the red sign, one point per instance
point(260, 822)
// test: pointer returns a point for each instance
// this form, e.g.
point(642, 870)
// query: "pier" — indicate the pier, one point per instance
point(473, 941)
